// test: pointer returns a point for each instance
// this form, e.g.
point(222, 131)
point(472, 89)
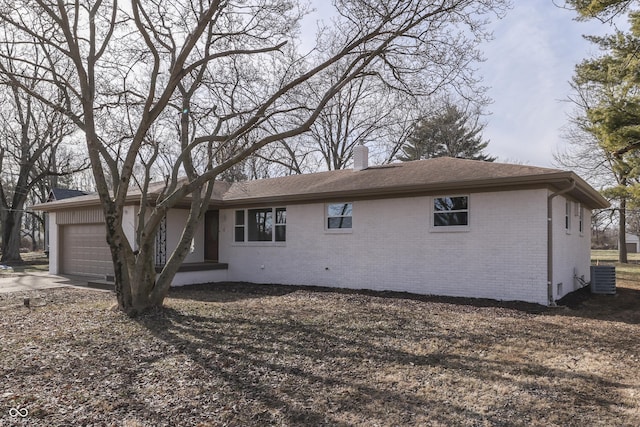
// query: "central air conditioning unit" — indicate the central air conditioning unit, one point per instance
point(603, 279)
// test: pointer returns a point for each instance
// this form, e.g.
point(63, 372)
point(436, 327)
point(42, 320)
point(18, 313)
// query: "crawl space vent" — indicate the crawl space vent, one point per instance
point(603, 279)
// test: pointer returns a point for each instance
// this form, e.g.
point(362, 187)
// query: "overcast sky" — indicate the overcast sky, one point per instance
point(528, 68)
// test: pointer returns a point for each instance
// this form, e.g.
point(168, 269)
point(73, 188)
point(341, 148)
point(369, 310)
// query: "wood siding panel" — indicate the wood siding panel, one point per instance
point(80, 216)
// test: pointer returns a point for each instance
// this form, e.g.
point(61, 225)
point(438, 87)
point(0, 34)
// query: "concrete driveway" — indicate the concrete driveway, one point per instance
point(16, 282)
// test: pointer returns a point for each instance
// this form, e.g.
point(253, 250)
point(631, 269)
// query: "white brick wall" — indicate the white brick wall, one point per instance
point(392, 247)
point(195, 277)
point(176, 220)
point(54, 244)
point(571, 249)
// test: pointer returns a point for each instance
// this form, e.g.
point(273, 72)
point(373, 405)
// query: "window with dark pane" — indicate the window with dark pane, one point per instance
point(281, 224)
point(451, 211)
point(339, 215)
point(581, 220)
point(260, 225)
point(239, 227)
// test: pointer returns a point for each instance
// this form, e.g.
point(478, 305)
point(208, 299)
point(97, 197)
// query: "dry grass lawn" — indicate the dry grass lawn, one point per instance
point(243, 355)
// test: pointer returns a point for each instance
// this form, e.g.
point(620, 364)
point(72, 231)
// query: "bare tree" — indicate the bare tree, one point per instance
point(366, 111)
point(31, 136)
point(198, 75)
point(376, 110)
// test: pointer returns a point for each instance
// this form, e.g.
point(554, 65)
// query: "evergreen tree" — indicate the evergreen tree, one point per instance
point(605, 10)
point(449, 133)
point(611, 85)
point(608, 93)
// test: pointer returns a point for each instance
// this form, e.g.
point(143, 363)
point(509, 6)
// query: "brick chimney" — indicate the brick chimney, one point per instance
point(360, 157)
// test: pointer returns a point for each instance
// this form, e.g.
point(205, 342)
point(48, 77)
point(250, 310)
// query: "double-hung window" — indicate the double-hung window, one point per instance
point(451, 211)
point(261, 225)
point(339, 216)
point(239, 227)
point(281, 225)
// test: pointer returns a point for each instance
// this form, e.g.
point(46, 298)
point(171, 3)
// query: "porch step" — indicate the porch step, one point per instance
point(101, 284)
point(198, 266)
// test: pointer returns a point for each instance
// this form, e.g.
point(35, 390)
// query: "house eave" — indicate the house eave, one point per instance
point(583, 191)
point(89, 201)
point(554, 181)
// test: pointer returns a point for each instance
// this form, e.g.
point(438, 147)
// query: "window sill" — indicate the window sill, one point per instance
point(259, 244)
point(338, 230)
point(451, 229)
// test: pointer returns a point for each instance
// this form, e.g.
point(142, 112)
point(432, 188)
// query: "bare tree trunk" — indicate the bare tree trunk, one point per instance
point(11, 237)
point(622, 246)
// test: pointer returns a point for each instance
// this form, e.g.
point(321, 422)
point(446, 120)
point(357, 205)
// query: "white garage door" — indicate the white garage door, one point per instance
point(85, 251)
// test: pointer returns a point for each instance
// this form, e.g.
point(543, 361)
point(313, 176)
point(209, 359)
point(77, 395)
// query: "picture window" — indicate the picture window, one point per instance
point(261, 225)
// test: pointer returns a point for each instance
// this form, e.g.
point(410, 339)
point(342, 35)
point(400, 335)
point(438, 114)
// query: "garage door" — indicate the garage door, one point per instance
point(85, 251)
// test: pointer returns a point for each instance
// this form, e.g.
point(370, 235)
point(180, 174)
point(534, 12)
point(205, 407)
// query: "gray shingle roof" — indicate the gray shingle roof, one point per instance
point(64, 193)
point(394, 180)
point(416, 175)
point(444, 174)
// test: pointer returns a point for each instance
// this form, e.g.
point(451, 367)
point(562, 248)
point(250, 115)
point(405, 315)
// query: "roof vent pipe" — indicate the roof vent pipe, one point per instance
point(360, 157)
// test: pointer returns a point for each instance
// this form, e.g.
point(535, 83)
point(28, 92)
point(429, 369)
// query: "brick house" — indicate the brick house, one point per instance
point(441, 226)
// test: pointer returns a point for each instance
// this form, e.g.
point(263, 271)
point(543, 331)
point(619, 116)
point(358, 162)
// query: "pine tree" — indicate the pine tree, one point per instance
point(608, 93)
point(604, 10)
point(449, 133)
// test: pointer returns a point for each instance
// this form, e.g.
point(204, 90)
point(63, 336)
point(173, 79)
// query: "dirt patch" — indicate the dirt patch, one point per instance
point(258, 355)
point(624, 306)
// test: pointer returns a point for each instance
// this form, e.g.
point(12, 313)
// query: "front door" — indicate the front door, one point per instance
point(211, 236)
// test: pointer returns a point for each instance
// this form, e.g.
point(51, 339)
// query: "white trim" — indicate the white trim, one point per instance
point(236, 226)
point(567, 215)
point(449, 228)
point(581, 219)
point(325, 216)
point(264, 244)
point(246, 241)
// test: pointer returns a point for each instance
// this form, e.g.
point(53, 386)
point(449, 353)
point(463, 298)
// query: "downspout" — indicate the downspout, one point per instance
point(550, 238)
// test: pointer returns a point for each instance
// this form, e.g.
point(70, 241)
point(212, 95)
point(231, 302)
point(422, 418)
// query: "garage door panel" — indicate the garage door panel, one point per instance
point(85, 251)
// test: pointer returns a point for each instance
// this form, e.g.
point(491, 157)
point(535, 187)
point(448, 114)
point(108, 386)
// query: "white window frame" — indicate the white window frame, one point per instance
point(326, 218)
point(245, 227)
point(242, 226)
point(449, 228)
point(282, 225)
point(567, 216)
point(581, 219)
